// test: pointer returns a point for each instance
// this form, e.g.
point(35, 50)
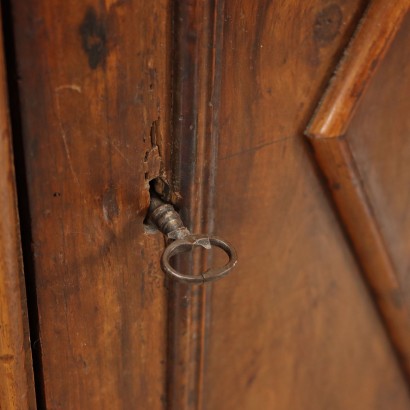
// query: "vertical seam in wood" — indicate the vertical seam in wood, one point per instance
point(17, 354)
point(196, 90)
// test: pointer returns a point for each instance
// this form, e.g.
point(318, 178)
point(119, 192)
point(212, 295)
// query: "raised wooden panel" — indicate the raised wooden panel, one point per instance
point(330, 134)
point(380, 143)
point(294, 327)
point(222, 90)
point(94, 87)
point(378, 137)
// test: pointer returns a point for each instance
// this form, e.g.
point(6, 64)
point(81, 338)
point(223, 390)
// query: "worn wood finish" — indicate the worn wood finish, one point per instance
point(293, 328)
point(94, 90)
point(363, 56)
point(16, 372)
point(327, 134)
point(196, 99)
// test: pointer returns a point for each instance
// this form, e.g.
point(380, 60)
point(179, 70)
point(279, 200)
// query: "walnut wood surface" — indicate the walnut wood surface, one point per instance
point(330, 134)
point(293, 327)
point(16, 372)
point(94, 88)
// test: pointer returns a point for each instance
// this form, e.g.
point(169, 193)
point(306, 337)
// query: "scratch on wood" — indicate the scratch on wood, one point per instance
point(253, 149)
point(57, 90)
point(120, 153)
point(73, 87)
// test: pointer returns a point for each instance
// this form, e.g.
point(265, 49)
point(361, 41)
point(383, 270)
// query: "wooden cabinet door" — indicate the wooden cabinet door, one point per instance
point(93, 81)
point(208, 102)
point(296, 328)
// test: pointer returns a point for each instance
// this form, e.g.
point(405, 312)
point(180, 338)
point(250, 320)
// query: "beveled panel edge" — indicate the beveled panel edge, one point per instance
point(326, 132)
point(357, 67)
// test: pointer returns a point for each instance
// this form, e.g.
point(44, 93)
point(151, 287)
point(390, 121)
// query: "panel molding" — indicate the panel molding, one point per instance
point(366, 50)
point(326, 133)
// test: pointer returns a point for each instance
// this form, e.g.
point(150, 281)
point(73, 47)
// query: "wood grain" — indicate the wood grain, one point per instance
point(16, 372)
point(327, 134)
point(94, 89)
point(294, 327)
